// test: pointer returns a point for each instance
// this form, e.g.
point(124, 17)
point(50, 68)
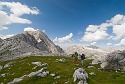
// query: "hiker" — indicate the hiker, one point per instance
point(75, 57)
point(82, 59)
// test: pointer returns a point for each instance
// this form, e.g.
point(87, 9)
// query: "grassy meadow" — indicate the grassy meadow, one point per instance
point(65, 70)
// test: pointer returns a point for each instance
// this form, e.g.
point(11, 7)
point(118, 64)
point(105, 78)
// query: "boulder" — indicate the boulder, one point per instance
point(80, 74)
point(95, 61)
point(114, 60)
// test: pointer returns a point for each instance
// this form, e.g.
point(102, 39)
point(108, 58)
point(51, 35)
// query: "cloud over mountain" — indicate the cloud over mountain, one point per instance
point(63, 39)
point(6, 36)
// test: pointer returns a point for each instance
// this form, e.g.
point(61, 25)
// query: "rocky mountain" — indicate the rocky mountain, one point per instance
point(28, 43)
point(115, 61)
point(92, 52)
point(92, 46)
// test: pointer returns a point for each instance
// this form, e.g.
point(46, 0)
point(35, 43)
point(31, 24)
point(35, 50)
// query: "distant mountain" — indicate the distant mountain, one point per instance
point(92, 46)
point(28, 43)
point(91, 52)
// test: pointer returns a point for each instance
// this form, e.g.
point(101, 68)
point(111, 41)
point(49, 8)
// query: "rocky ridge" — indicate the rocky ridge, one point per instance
point(26, 44)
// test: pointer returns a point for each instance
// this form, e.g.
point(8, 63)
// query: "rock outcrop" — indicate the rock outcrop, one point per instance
point(115, 61)
point(82, 75)
point(26, 44)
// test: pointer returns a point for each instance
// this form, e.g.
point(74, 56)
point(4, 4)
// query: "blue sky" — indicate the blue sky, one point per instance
point(67, 22)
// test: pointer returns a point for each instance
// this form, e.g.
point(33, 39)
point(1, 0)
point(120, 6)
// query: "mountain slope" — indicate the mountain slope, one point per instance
point(28, 43)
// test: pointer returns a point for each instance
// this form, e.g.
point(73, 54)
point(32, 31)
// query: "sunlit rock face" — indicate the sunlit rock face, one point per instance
point(28, 43)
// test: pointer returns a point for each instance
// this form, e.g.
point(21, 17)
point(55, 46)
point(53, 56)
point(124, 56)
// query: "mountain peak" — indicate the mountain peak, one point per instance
point(37, 34)
point(29, 43)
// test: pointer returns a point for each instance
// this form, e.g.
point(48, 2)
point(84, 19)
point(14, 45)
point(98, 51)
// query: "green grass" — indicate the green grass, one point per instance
point(65, 70)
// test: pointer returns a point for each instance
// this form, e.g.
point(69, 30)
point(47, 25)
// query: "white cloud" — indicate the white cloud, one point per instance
point(122, 43)
point(110, 37)
point(118, 19)
point(11, 12)
point(93, 43)
point(43, 30)
point(112, 29)
point(95, 36)
point(17, 9)
point(64, 39)
point(109, 44)
point(118, 30)
point(104, 26)
point(56, 39)
point(6, 36)
point(80, 32)
point(92, 28)
point(30, 29)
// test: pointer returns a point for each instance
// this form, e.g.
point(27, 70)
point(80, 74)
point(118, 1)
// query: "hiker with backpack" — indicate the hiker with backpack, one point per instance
point(75, 57)
point(82, 59)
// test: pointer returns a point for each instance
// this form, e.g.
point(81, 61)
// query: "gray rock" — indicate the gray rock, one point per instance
point(27, 44)
point(52, 75)
point(114, 61)
point(90, 67)
point(15, 81)
point(95, 61)
point(39, 73)
point(92, 73)
point(8, 65)
point(104, 64)
point(80, 74)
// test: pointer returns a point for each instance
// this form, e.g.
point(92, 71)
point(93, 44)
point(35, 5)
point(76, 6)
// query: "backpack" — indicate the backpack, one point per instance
point(82, 56)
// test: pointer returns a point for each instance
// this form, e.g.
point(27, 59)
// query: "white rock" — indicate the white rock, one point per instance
point(80, 82)
point(3, 75)
point(37, 72)
point(103, 64)
point(58, 77)
point(92, 73)
point(80, 74)
point(37, 63)
point(61, 60)
point(34, 67)
point(15, 81)
point(95, 61)
point(8, 65)
point(44, 64)
point(42, 74)
point(90, 67)
point(52, 75)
